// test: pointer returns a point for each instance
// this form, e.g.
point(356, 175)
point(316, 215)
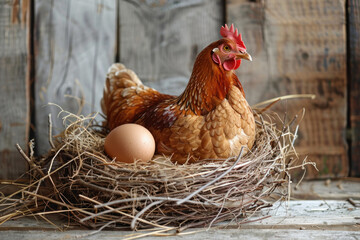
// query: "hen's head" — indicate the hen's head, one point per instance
point(230, 50)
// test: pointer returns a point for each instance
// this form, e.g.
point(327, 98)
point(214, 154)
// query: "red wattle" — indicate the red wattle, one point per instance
point(229, 64)
point(237, 65)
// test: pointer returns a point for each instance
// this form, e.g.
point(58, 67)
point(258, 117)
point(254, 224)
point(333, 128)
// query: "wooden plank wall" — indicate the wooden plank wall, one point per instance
point(298, 47)
point(75, 43)
point(14, 88)
point(160, 40)
point(354, 81)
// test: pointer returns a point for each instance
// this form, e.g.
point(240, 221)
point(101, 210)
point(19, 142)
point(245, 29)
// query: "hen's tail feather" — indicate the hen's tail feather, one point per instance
point(125, 97)
point(118, 78)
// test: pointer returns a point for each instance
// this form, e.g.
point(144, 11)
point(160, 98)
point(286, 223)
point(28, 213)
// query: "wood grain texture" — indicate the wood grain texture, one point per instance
point(354, 83)
point(340, 189)
point(14, 91)
point(336, 220)
point(300, 47)
point(75, 43)
point(195, 234)
point(160, 40)
point(249, 18)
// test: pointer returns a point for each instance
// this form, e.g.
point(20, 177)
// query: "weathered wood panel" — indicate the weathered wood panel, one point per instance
point(14, 89)
point(75, 44)
point(160, 40)
point(194, 234)
point(249, 18)
point(339, 189)
point(300, 47)
point(296, 220)
point(354, 81)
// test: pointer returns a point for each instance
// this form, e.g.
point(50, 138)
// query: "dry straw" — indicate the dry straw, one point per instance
point(77, 180)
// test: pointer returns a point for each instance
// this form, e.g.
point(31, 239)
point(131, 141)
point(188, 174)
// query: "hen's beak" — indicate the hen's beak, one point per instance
point(244, 55)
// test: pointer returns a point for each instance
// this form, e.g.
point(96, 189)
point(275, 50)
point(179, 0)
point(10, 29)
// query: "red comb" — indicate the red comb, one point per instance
point(233, 35)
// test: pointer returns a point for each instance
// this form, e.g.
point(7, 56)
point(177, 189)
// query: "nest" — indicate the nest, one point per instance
point(78, 180)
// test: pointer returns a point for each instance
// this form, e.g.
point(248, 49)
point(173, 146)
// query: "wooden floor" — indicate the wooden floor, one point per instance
point(335, 217)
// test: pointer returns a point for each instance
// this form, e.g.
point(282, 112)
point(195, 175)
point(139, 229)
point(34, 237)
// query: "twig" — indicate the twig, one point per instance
point(58, 203)
point(293, 96)
point(153, 199)
point(147, 234)
point(96, 231)
point(128, 215)
point(30, 162)
point(211, 182)
point(142, 212)
point(350, 200)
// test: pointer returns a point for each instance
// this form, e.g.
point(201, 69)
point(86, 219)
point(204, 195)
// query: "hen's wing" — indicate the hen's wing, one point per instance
point(125, 97)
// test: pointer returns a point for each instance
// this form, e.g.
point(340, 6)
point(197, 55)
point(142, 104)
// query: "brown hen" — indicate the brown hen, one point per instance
point(210, 119)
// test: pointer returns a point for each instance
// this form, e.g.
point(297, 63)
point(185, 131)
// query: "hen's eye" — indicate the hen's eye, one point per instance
point(226, 48)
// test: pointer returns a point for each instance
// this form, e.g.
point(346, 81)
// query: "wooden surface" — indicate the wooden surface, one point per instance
point(75, 43)
point(354, 83)
point(14, 90)
point(160, 40)
point(299, 47)
point(337, 189)
point(231, 234)
point(314, 219)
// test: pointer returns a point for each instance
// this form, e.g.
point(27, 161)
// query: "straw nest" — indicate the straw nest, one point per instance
point(78, 180)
